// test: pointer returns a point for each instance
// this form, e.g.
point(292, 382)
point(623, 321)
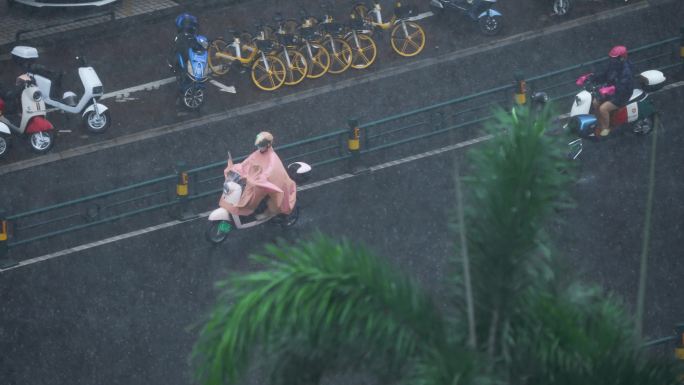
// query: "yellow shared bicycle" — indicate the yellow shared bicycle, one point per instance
point(407, 37)
point(267, 70)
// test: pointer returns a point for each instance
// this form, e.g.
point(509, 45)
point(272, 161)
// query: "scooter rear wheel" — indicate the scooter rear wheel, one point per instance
point(5, 144)
point(218, 231)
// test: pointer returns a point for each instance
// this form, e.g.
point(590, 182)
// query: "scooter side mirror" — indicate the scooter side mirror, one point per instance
point(81, 60)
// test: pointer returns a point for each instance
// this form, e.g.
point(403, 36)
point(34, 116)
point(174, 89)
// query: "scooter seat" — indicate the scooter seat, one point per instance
point(69, 98)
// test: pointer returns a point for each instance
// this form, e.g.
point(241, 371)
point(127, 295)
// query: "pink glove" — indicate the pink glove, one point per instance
point(580, 80)
point(604, 91)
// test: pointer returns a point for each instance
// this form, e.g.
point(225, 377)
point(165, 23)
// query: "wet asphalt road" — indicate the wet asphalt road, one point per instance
point(119, 314)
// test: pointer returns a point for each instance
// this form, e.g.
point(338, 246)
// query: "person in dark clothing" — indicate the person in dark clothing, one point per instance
point(187, 28)
point(619, 76)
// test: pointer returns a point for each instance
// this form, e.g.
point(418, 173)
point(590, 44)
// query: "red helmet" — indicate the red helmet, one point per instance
point(618, 51)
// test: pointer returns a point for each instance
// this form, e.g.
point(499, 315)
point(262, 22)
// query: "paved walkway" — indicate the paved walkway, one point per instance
point(45, 21)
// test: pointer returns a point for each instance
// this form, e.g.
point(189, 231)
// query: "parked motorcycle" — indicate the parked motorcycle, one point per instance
point(222, 222)
point(32, 122)
point(562, 7)
point(194, 74)
point(95, 115)
point(488, 19)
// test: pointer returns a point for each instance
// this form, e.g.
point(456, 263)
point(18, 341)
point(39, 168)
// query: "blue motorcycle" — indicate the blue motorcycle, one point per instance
point(194, 74)
point(480, 11)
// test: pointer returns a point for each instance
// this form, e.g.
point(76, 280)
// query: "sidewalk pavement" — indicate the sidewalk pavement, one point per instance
point(49, 21)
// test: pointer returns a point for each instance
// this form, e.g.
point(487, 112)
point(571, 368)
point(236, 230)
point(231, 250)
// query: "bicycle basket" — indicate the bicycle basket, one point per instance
point(333, 28)
point(286, 39)
point(405, 11)
point(307, 33)
point(264, 45)
point(357, 24)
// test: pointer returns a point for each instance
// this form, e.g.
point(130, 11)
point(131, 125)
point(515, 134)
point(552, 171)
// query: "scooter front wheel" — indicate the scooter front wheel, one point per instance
point(291, 218)
point(97, 123)
point(4, 145)
point(218, 231)
point(42, 142)
point(193, 97)
point(490, 25)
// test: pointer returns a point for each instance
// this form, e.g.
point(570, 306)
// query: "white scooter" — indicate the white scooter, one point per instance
point(638, 114)
point(32, 124)
point(95, 115)
point(222, 222)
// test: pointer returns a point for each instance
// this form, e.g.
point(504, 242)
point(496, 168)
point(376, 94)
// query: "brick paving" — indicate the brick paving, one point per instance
point(49, 21)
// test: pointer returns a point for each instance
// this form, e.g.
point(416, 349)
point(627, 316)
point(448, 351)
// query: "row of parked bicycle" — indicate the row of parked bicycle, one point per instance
point(290, 50)
point(287, 51)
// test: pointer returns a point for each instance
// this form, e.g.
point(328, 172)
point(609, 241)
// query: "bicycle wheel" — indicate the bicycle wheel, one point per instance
point(218, 65)
point(407, 38)
point(268, 76)
point(318, 61)
point(296, 71)
point(340, 55)
point(363, 49)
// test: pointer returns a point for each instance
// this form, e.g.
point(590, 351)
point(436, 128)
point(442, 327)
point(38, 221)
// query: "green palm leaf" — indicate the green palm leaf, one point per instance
point(517, 181)
point(330, 297)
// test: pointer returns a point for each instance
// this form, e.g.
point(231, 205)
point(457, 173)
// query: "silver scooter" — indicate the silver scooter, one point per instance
point(95, 115)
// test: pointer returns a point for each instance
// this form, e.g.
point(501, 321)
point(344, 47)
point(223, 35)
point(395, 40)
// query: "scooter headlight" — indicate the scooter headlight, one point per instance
point(37, 96)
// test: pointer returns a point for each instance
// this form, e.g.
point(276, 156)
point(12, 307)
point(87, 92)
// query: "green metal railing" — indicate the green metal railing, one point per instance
point(454, 115)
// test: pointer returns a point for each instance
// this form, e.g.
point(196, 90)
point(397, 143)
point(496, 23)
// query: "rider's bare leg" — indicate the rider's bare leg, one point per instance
point(604, 118)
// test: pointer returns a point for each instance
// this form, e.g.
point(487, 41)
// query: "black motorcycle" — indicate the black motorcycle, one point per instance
point(480, 11)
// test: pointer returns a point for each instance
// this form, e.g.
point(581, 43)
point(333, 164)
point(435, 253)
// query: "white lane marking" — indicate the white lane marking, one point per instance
point(142, 87)
point(223, 87)
point(309, 186)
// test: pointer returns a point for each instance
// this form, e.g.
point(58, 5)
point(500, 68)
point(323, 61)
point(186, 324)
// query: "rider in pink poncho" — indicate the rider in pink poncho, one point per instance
point(266, 178)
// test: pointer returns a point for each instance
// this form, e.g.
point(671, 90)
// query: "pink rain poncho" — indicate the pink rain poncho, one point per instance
point(265, 175)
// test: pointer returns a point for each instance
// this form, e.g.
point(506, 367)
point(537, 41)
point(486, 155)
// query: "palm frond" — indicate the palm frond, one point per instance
point(332, 295)
point(581, 336)
point(516, 182)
